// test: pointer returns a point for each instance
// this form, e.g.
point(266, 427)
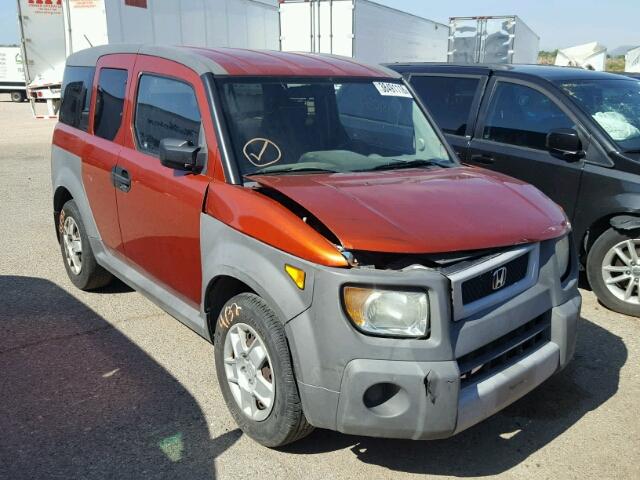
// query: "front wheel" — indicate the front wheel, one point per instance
point(255, 372)
point(613, 269)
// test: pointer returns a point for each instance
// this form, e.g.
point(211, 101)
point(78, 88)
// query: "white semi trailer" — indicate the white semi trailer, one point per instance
point(492, 39)
point(54, 29)
point(361, 29)
point(12, 74)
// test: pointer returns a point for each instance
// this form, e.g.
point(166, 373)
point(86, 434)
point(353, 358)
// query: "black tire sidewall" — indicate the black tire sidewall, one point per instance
point(596, 255)
point(17, 97)
point(86, 279)
point(276, 430)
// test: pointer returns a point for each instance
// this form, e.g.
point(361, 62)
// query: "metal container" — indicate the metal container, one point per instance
point(500, 39)
point(361, 29)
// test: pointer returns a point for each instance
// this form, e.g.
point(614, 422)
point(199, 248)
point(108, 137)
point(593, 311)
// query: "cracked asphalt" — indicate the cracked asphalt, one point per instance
point(105, 385)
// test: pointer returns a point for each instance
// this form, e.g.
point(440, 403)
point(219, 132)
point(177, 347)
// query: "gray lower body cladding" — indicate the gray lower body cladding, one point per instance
point(419, 388)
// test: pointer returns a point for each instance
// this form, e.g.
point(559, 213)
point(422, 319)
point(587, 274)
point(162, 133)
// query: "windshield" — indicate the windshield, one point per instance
point(283, 126)
point(614, 104)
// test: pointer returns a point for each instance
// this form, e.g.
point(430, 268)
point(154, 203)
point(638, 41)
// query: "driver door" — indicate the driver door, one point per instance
point(159, 208)
point(511, 138)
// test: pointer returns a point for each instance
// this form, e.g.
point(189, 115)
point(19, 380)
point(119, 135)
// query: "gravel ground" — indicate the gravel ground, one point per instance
point(106, 385)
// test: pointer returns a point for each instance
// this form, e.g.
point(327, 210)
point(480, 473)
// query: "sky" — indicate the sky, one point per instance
point(559, 23)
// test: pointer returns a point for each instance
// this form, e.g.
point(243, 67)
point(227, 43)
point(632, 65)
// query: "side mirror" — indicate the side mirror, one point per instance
point(180, 155)
point(566, 143)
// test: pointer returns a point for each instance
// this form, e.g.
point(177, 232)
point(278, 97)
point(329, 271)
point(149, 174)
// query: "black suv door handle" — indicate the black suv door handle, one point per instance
point(120, 179)
point(484, 159)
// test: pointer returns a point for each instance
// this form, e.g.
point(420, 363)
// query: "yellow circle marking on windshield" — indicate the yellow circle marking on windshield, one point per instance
point(261, 152)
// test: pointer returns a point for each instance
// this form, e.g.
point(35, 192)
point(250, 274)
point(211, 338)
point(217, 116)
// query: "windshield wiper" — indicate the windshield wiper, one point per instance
point(404, 164)
point(268, 170)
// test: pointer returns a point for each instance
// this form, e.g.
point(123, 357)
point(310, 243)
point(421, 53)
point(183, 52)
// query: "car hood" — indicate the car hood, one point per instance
point(424, 210)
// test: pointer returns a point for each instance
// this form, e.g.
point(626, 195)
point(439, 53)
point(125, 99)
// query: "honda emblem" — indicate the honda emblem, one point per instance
point(499, 278)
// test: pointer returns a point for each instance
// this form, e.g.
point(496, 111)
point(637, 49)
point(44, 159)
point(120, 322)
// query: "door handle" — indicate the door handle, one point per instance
point(484, 159)
point(121, 179)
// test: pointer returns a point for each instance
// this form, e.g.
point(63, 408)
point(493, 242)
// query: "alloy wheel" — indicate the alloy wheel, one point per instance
point(621, 271)
point(72, 245)
point(249, 371)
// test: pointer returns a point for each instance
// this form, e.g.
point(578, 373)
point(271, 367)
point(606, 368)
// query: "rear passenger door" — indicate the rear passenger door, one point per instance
point(453, 101)
point(104, 147)
point(510, 137)
point(159, 208)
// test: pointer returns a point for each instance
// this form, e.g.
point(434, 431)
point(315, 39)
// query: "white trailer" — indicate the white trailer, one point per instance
point(12, 74)
point(54, 29)
point(361, 29)
point(43, 50)
point(492, 39)
point(591, 56)
point(632, 60)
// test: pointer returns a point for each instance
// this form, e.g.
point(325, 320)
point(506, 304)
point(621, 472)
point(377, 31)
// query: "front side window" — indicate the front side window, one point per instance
point(614, 105)
point(112, 86)
point(165, 108)
point(76, 96)
point(449, 100)
point(280, 125)
point(519, 115)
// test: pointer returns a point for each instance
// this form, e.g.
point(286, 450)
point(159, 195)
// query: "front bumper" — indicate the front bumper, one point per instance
point(412, 388)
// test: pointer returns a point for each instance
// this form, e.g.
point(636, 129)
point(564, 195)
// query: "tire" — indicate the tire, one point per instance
point(602, 257)
point(284, 420)
point(18, 97)
point(89, 275)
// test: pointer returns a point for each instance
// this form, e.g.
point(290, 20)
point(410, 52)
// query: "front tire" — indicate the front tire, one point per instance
point(255, 372)
point(613, 270)
point(79, 261)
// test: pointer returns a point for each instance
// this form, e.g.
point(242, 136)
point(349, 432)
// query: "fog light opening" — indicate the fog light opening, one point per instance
point(386, 399)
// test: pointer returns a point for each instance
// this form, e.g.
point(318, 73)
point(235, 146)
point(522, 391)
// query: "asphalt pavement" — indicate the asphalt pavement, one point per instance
point(105, 385)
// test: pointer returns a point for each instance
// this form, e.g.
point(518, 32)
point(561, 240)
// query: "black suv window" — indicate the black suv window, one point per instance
point(112, 85)
point(448, 99)
point(519, 115)
point(165, 108)
point(76, 96)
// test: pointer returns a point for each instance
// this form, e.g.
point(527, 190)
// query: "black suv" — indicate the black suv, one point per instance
point(574, 134)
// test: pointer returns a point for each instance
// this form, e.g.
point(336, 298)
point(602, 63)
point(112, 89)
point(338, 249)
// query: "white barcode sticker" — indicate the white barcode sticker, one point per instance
point(392, 89)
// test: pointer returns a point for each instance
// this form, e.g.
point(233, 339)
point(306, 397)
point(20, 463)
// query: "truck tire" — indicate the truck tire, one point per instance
point(79, 261)
point(613, 270)
point(18, 96)
point(255, 372)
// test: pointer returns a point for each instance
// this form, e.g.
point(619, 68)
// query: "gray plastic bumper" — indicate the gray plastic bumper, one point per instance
point(429, 402)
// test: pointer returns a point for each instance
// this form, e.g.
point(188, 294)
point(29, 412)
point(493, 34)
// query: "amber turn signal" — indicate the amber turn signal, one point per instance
point(296, 275)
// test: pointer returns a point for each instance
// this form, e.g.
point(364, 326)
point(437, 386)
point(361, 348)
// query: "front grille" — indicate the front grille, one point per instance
point(483, 285)
point(504, 351)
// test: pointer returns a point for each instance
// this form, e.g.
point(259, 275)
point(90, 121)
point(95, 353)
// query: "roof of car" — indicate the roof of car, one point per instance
point(551, 73)
point(237, 61)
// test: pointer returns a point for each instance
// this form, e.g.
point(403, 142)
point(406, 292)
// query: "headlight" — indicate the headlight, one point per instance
point(387, 312)
point(563, 255)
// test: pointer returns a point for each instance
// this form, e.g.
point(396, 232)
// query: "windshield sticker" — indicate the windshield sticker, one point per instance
point(392, 89)
point(261, 152)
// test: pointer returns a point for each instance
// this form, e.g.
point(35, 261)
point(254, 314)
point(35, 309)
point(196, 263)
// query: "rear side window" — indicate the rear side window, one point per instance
point(112, 86)
point(76, 96)
point(165, 108)
point(519, 115)
point(448, 99)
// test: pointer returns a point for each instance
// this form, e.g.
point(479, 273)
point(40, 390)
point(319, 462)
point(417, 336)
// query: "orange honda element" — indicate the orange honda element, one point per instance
point(304, 214)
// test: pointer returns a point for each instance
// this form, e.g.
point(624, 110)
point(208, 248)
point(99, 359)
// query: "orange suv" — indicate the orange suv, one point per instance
point(304, 214)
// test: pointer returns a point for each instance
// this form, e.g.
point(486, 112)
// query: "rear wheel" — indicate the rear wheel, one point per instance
point(613, 269)
point(79, 261)
point(255, 372)
point(18, 96)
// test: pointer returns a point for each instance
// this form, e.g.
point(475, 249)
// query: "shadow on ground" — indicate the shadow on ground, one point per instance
point(80, 400)
point(510, 437)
